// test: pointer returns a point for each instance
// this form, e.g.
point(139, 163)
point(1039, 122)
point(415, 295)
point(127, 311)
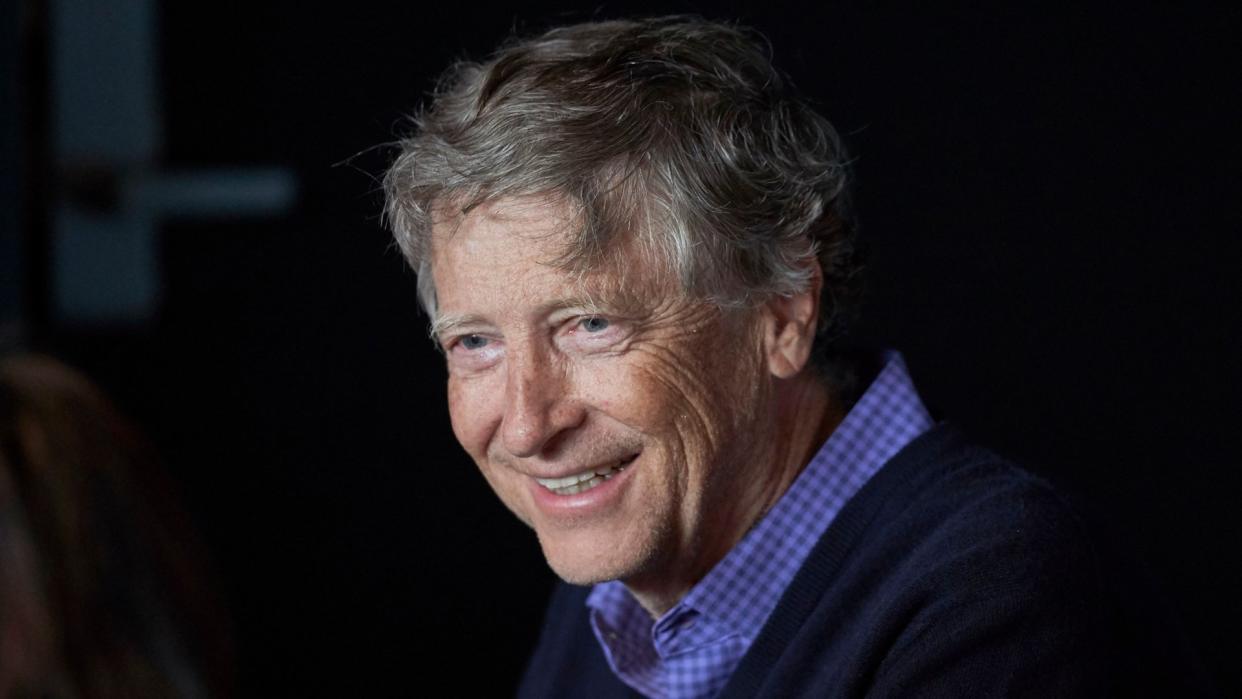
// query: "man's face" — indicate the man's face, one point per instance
point(617, 418)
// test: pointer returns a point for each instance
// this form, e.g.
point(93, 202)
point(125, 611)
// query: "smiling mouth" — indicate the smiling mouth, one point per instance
point(582, 482)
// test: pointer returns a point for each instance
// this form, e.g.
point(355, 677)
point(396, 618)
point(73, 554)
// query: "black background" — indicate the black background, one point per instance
point(1050, 201)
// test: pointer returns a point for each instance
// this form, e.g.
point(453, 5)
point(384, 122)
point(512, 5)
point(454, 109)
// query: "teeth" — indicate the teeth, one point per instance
point(580, 482)
point(556, 483)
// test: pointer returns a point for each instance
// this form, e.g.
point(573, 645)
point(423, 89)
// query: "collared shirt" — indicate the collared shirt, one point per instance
point(692, 649)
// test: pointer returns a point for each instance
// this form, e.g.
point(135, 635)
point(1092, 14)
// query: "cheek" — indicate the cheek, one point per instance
point(704, 401)
point(627, 392)
point(474, 413)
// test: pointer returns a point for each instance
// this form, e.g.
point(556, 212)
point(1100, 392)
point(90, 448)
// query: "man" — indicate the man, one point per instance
point(637, 252)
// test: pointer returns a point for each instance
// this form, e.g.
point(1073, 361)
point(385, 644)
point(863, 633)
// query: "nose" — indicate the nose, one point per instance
point(539, 409)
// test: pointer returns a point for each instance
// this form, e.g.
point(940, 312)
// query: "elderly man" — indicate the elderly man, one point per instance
point(636, 248)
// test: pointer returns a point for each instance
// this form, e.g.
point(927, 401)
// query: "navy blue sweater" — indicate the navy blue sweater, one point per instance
point(952, 573)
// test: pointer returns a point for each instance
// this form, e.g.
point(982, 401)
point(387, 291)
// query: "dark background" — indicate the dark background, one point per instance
point(1050, 201)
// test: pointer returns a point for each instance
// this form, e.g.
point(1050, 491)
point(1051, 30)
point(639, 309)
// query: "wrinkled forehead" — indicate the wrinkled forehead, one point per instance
point(526, 220)
point(547, 232)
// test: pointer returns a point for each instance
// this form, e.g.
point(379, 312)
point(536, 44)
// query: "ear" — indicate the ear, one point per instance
point(789, 330)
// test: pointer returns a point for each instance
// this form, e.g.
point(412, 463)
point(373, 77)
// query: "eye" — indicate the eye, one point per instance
point(473, 342)
point(594, 324)
point(591, 333)
point(474, 352)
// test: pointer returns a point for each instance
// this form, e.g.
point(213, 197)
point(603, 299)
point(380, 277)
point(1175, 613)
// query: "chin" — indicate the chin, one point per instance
point(586, 560)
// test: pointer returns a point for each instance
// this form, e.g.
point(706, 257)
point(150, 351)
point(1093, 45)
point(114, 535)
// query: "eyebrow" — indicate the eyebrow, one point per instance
point(600, 302)
point(444, 323)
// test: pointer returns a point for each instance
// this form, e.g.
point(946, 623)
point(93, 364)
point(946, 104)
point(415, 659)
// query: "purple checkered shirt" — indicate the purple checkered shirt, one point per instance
point(694, 647)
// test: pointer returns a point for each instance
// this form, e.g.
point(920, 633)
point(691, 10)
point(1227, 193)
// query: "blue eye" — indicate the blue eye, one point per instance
point(473, 342)
point(594, 324)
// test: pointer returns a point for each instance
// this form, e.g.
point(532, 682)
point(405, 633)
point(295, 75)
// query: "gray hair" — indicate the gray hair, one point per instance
point(676, 131)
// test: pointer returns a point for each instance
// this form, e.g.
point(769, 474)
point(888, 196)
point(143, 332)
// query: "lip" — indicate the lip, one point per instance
point(594, 501)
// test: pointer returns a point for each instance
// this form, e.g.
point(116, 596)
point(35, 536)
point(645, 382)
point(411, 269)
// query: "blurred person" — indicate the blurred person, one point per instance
point(102, 587)
point(636, 247)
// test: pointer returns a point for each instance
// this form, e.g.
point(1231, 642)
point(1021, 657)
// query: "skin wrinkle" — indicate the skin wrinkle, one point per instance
point(685, 385)
point(713, 486)
point(577, 254)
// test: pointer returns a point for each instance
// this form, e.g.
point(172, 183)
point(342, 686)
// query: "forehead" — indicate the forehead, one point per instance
point(524, 247)
point(512, 226)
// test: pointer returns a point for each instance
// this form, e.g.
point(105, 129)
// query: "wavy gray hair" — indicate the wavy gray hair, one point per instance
point(676, 130)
